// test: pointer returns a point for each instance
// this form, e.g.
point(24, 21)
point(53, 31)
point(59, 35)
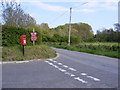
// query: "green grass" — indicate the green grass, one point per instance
point(104, 49)
point(31, 52)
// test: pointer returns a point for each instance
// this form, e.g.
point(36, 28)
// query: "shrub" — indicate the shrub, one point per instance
point(11, 35)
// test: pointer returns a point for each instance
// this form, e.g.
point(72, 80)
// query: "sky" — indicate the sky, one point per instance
point(99, 14)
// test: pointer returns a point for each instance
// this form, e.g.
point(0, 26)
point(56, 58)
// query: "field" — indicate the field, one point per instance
point(105, 49)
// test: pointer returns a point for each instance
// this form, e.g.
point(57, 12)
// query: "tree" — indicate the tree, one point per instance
point(84, 30)
point(117, 27)
point(44, 26)
point(13, 15)
point(107, 35)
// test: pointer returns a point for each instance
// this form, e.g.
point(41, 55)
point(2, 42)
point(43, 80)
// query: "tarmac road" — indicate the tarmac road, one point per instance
point(70, 70)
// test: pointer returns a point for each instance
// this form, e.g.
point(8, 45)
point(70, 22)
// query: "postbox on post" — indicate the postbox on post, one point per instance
point(23, 42)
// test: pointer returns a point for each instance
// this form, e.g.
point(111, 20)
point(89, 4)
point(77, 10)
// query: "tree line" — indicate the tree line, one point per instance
point(13, 15)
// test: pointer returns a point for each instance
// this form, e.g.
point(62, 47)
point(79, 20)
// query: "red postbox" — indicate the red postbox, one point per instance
point(23, 40)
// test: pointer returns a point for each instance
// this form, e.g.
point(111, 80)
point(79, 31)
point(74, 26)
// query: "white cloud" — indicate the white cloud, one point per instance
point(91, 4)
point(110, 5)
point(87, 10)
point(50, 7)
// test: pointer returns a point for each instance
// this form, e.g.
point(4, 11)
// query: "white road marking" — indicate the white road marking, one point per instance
point(55, 61)
point(47, 61)
point(62, 70)
point(54, 66)
point(72, 69)
point(50, 59)
point(67, 73)
point(70, 74)
point(83, 74)
point(65, 66)
point(50, 63)
point(79, 79)
point(60, 63)
point(95, 79)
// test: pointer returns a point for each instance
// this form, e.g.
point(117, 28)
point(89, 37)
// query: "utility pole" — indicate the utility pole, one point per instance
point(69, 29)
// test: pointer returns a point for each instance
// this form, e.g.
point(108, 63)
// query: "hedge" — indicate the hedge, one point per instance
point(11, 35)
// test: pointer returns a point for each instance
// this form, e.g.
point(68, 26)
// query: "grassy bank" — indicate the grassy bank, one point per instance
point(31, 52)
point(104, 49)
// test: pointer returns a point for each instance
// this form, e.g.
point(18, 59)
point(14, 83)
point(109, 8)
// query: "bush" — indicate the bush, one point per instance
point(14, 53)
point(11, 35)
point(99, 46)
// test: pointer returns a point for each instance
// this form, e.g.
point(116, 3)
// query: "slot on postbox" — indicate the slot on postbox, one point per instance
point(23, 40)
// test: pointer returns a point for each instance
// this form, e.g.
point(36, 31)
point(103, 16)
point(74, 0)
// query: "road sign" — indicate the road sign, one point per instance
point(33, 36)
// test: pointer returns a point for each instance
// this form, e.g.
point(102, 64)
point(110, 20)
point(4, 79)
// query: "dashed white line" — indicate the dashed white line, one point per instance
point(83, 74)
point(95, 79)
point(72, 75)
point(50, 59)
point(47, 61)
point(81, 80)
point(91, 77)
point(55, 66)
point(62, 70)
point(67, 73)
point(72, 69)
point(50, 63)
point(60, 63)
point(65, 66)
point(55, 61)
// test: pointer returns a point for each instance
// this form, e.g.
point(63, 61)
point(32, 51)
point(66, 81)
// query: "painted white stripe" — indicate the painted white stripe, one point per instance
point(62, 70)
point(72, 75)
point(55, 61)
point(50, 60)
point(50, 63)
point(55, 66)
point(67, 73)
point(95, 79)
point(81, 80)
point(65, 66)
point(47, 61)
point(72, 69)
point(60, 63)
point(83, 74)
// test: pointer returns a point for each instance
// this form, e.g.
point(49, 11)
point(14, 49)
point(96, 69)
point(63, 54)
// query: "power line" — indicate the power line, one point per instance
point(69, 29)
point(57, 18)
point(80, 5)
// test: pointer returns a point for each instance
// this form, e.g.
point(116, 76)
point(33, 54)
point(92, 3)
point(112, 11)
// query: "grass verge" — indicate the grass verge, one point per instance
point(31, 52)
point(103, 52)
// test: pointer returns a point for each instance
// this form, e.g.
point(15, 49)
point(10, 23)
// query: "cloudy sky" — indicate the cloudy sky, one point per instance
point(97, 13)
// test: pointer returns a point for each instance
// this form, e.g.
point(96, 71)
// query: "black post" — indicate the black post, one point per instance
point(23, 49)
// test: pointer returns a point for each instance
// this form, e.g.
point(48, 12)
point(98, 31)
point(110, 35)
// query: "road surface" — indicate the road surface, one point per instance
point(70, 70)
